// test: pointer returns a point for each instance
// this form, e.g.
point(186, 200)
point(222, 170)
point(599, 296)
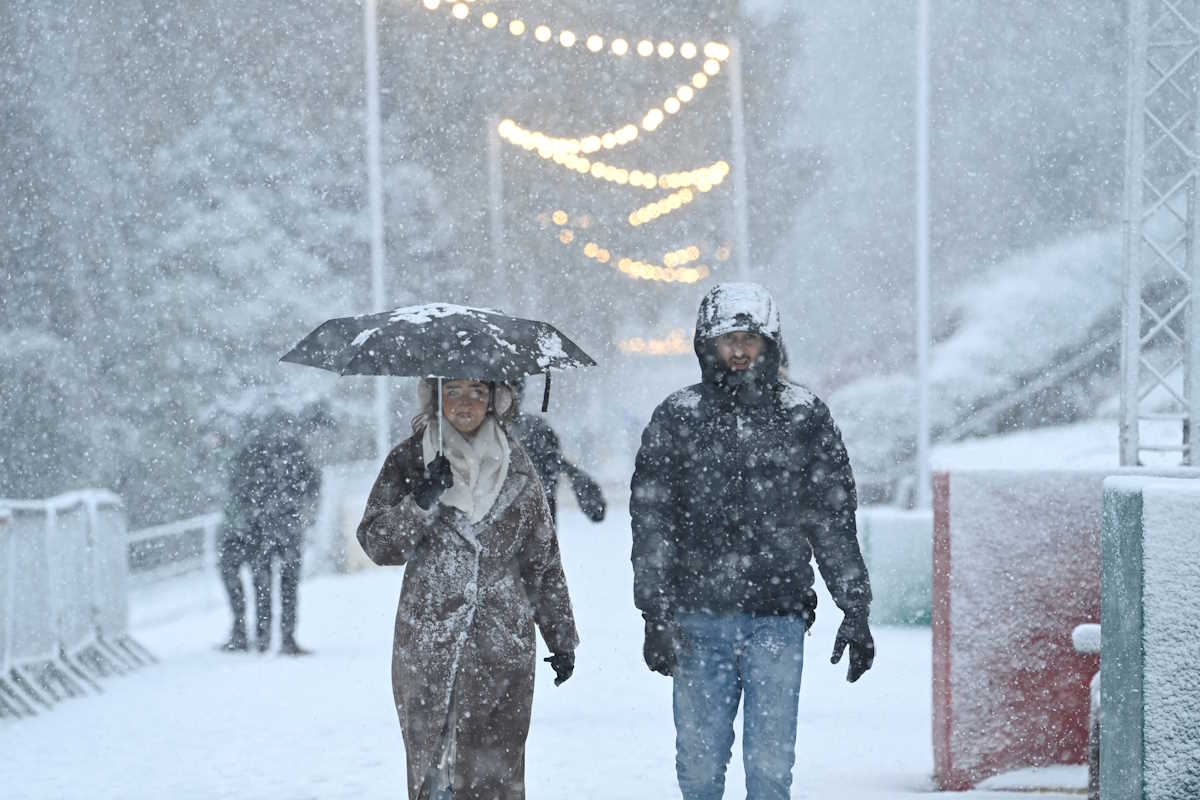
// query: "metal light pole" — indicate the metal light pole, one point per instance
point(495, 195)
point(924, 489)
point(741, 224)
point(383, 434)
point(1160, 356)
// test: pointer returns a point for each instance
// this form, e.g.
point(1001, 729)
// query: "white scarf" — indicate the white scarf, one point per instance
point(479, 465)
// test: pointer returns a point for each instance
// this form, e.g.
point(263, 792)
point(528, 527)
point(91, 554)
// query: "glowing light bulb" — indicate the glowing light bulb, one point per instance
point(671, 106)
point(566, 236)
point(516, 27)
point(559, 217)
point(432, 4)
point(608, 141)
point(490, 20)
point(566, 39)
point(460, 10)
point(716, 50)
point(645, 48)
point(712, 67)
point(699, 80)
point(595, 43)
point(666, 49)
point(620, 47)
point(687, 50)
point(541, 33)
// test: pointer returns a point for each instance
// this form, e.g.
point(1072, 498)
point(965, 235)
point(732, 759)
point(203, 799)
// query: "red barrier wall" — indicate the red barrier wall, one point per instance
point(1016, 566)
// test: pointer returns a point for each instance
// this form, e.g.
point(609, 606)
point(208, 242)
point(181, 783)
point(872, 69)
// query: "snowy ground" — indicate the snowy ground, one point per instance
point(205, 725)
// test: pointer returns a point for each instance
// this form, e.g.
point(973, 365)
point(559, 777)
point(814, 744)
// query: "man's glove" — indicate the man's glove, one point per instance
point(563, 665)
point(587, 492)
point(436, 479)
point(855, 632)
point(659, 649)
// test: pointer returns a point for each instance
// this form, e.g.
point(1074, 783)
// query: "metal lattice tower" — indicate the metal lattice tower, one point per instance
point(1160, 351)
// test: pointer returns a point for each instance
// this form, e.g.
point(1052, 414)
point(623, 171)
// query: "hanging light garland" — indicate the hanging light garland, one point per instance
point(587, 144)
point(702, 178)
point(676, 343)
point(571, 151)
point(684, 255)
point(617, 47)
point(632, 267)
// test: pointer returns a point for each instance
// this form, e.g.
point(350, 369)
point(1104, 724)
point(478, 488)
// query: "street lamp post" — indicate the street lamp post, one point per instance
point(741, 224)
point(924, 489)
point(375, 202)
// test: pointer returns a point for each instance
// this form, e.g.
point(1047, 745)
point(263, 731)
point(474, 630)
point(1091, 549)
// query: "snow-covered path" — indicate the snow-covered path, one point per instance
point(203, 724)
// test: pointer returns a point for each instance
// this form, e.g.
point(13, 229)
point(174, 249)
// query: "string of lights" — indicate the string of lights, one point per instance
point(713, 54)
point(702, 178)
point(617, 47)
point(632, 267)
point(652, 211)
point(676, 343)
point(624, 134)
point(684, 255)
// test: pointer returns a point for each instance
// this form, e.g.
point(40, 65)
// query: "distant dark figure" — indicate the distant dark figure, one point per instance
point(273, 489)
point(545, 451)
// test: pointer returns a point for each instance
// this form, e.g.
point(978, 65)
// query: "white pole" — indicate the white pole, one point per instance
point(383, 434)
point(495, 195)
point(924, 488)
point(741, 224)
point(1131, 233)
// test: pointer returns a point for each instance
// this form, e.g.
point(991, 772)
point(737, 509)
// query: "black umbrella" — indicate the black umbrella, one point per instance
point(439, 340)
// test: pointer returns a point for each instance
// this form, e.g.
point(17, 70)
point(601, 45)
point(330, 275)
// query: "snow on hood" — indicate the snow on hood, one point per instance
point(738, 307)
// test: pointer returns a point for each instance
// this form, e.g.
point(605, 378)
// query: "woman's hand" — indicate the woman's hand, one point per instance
point(563, 665)
point(437, 478)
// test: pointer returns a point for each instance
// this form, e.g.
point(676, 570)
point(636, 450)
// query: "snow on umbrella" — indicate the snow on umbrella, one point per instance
point(439, 340)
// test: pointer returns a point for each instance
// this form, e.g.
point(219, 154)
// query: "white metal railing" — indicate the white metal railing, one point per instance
point(176, 548)
point(64, 607)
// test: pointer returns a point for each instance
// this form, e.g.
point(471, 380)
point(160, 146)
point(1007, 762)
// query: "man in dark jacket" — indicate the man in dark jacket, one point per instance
point(542, 446)
point(272, 490)
point(739, 481)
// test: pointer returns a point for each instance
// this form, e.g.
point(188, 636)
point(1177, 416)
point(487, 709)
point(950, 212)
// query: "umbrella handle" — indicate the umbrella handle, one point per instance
point(546, 395)
point(439, 414)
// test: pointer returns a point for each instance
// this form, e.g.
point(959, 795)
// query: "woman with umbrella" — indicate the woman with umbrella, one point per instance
point(472, 525)
point(462, 507)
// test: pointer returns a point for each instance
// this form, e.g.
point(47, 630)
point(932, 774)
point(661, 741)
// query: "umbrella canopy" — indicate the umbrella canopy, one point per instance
point(438, 340)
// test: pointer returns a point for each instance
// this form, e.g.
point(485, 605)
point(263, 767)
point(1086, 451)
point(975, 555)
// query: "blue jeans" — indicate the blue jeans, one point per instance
point(720, 657)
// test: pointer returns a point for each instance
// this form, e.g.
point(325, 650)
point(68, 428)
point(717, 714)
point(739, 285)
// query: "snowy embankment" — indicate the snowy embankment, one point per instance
point(204, 725)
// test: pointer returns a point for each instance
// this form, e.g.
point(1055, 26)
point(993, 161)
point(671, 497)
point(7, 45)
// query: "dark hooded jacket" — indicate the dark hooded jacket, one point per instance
point(740, 480)
point(273, 484)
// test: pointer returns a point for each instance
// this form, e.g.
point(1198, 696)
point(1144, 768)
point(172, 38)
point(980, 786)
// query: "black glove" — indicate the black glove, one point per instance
point(587, 492)
point(436, 479)
point(563, 665)
point(855, 632)
point(659, 649)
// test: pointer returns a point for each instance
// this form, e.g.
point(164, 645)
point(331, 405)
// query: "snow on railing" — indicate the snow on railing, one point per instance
point(64, 608)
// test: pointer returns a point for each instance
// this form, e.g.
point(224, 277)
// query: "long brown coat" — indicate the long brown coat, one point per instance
point(464, 654)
